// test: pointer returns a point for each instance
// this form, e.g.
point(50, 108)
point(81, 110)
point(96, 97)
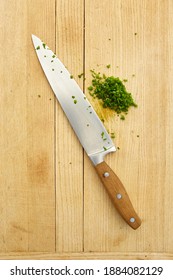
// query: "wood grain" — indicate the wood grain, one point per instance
point(69, 153)
point(135, 38)
point(52, 203)
point(27, 133)
point(87, 256)
point(118, 195)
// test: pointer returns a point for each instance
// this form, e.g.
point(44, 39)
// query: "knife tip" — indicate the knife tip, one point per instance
point(33, 36)
point(35, 40)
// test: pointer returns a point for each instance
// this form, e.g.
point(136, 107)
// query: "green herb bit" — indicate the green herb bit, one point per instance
point(112, 135)
point(90, 88)
point(103, 136)
point(44, 55)
point(75, 101)
point(37, 48)
point(112, 93)
point(53, 56)
point(105, 149)
point(71, 77)
point(122, 117)
point(73, 96)
point(125, 80)
point(80, 75)
point(53, 69)
point(51, 60)
point(108, 66)
point(44, 45)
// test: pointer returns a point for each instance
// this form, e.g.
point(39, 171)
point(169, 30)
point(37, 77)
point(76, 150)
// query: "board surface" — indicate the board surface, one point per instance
point(52, 204)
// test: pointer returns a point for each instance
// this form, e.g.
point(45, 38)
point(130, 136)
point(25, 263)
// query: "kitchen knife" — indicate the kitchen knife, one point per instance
point(88, 127)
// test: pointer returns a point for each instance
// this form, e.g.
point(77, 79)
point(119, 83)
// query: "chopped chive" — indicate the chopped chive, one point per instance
point(103, 136)
point(90, 88)
point(112, 93)
point(44, 45)
point(37, 48)
point(112, 135)
point(75, 101)
point(80, 75)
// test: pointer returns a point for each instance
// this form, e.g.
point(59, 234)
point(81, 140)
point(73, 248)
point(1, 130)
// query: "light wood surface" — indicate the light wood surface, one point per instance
point(52, 203)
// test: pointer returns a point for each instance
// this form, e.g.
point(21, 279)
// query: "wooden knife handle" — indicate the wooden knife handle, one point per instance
point(118, 194)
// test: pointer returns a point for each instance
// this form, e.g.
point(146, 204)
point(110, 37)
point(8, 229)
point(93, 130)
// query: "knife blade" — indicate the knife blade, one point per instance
point(89, 129)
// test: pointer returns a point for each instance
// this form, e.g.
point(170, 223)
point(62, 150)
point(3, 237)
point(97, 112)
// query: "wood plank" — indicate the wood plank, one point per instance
point(168, 194)
point(41, 144)
point(27, 131)
point(132, 36)
point(88, 256)
point(69, 153)
point(45, 212)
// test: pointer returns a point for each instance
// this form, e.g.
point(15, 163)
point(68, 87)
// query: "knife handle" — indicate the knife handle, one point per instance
point(118, 194)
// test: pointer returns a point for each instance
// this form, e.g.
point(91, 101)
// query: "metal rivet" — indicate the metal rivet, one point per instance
point(132, 220)
point(119, 196)
point(106, 174)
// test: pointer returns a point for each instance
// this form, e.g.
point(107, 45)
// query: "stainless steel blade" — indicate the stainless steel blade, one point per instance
point(81, 115)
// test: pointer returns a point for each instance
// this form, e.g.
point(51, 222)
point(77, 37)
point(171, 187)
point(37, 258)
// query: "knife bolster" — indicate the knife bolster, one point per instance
point(99, 157)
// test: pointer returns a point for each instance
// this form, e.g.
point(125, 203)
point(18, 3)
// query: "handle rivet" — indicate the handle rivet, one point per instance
point(132, 220)
point(119, 196)
point(106, 174)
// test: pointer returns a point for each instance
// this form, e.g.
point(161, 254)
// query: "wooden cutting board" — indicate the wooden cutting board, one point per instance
point(52, 203)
